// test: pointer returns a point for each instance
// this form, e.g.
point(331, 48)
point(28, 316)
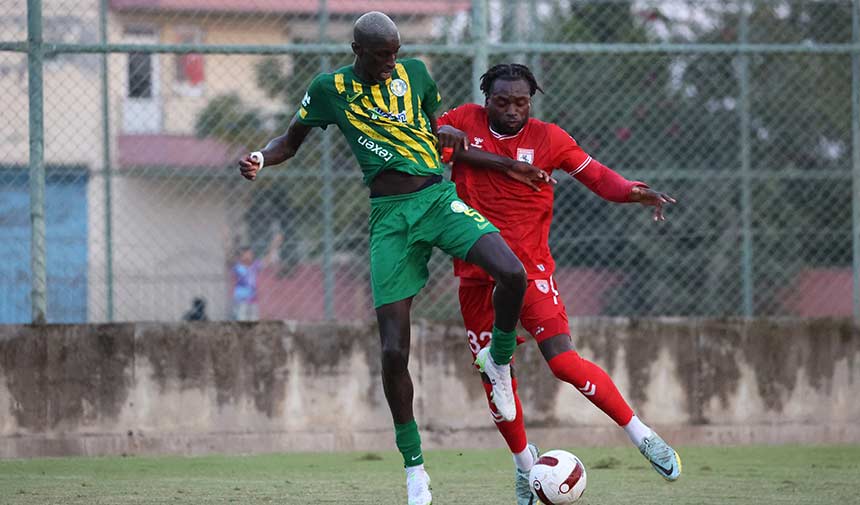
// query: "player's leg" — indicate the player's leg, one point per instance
point(492, 254)
point(546, 319)
point(394, 334)
point(476, 306)
point(398, 271)
point(464, 233)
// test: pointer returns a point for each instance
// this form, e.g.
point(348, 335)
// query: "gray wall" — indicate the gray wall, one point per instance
point(216, 387)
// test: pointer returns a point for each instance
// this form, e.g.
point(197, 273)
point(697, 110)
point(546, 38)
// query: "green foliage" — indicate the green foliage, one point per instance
point(227, 118)
point(680, 114)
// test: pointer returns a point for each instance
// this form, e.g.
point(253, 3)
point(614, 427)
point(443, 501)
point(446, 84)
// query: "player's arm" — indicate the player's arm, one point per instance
point(314, 110)
point(278, 150)
point(600, 179)
point(610, 185)
point(454, 146)
point(526, 173)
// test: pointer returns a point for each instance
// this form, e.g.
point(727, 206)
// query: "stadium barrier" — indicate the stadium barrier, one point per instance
point(154, 388)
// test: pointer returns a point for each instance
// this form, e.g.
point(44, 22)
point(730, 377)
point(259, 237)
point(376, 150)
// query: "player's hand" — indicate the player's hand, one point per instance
point(647, 196)
point(249, 167)
point(451, 142)
point(529, 175)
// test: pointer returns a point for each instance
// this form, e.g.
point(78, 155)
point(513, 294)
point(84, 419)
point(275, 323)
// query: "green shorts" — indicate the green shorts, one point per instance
point(403, 231)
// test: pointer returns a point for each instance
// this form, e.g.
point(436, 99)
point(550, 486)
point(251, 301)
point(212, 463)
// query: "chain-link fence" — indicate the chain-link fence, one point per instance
point(745, 111)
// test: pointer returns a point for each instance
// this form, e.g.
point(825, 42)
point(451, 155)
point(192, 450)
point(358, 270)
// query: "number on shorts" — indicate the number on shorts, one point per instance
point(478, 342)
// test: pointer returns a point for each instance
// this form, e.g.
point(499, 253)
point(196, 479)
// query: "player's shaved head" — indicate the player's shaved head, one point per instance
point(375, 45)
point(374, 27)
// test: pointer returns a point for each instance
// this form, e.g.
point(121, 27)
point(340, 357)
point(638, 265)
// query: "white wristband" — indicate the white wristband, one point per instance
point(257, 157)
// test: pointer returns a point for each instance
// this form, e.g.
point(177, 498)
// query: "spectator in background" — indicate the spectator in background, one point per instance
point(245, 271)
point(197, 312)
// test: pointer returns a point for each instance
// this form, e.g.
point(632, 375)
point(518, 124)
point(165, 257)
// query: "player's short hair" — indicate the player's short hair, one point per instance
point(374, 26)
point(509, 72)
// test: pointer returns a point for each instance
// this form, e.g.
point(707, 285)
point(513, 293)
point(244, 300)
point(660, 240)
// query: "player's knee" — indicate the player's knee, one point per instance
point(513, 277)
point(395, 358)
point(566, 369)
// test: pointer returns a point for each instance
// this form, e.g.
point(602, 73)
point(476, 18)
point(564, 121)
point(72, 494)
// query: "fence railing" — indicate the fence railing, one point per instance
point(123, 180)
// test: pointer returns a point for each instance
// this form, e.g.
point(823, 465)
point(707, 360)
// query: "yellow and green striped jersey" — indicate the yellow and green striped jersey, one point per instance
point(387, 125)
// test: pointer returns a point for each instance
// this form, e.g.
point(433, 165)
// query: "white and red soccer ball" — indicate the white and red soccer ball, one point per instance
point(558, 477)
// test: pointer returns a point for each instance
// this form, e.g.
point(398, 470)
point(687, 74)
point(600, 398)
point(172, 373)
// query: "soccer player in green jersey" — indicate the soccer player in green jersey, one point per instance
point(385, 108)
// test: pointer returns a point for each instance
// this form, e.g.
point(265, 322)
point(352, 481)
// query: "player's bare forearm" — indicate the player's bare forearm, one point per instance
point(278, 150)
point(482, 159)
point(282, 148)
point(524, 172)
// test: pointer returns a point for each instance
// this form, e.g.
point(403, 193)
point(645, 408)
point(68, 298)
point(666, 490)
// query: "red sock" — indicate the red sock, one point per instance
point(514, 432)
point(593, 383)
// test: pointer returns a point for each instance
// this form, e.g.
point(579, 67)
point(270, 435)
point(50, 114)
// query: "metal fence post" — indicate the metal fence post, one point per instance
point(106, 165)
point(327, 188)
point(746, 189)
point(855, 151)
point(534, 61)
point(481, 57)
point(35, 61)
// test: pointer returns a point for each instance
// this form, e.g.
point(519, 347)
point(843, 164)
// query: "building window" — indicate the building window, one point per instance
point(139, 75)
point(141, 109)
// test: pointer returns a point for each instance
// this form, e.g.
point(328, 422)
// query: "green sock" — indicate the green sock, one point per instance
point(502, 345)
point(409, 443)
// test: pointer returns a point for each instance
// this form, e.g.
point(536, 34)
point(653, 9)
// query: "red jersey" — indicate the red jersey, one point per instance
point(522, 214)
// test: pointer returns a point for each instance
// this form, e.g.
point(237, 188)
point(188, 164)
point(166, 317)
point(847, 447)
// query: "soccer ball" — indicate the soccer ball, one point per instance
point(558, 477)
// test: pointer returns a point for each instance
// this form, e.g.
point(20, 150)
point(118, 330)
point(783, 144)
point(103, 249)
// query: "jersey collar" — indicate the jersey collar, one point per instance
point(501, 136)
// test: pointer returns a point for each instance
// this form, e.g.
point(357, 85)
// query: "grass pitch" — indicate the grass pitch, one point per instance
point(712, 475)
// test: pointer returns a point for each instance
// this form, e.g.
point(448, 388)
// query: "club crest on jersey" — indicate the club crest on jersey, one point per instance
point(458, 207)
point(398, 87)
point(477, 141)
point(527, 155)
point(542, 285)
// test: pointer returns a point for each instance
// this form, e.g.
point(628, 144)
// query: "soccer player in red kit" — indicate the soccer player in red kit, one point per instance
point(502, 126)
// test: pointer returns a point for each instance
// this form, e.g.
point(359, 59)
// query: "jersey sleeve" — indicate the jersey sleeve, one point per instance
point(568, 155)
point(315, 109)
point(430, 97)
point(453, 117)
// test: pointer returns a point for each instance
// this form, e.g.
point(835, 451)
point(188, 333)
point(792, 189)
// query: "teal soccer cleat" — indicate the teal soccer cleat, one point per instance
point(522, 485)
point(662, 457)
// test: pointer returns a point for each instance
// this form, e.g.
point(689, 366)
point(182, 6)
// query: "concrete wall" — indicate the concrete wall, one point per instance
point(243, 387)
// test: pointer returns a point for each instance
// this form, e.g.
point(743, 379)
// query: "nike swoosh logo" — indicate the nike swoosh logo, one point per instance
point(483, 225)
point(667, 473)
point(415, 457)
point(352, 98)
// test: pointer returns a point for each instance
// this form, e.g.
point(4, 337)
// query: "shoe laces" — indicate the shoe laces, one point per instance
point(657, 449)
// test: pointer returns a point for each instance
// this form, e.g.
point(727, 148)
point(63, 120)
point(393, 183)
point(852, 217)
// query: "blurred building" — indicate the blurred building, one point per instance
point(165, 246)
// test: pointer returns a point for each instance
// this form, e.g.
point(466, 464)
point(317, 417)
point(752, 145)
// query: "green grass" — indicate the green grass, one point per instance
point(712, 475)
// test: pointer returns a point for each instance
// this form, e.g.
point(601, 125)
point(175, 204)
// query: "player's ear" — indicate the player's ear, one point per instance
point(356, 48)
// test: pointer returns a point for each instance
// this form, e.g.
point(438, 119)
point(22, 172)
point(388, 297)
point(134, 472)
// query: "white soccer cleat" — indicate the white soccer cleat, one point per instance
point(418, 488)
point(500, 378)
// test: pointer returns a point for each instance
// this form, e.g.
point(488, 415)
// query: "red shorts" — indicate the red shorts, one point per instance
point(543, 314)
